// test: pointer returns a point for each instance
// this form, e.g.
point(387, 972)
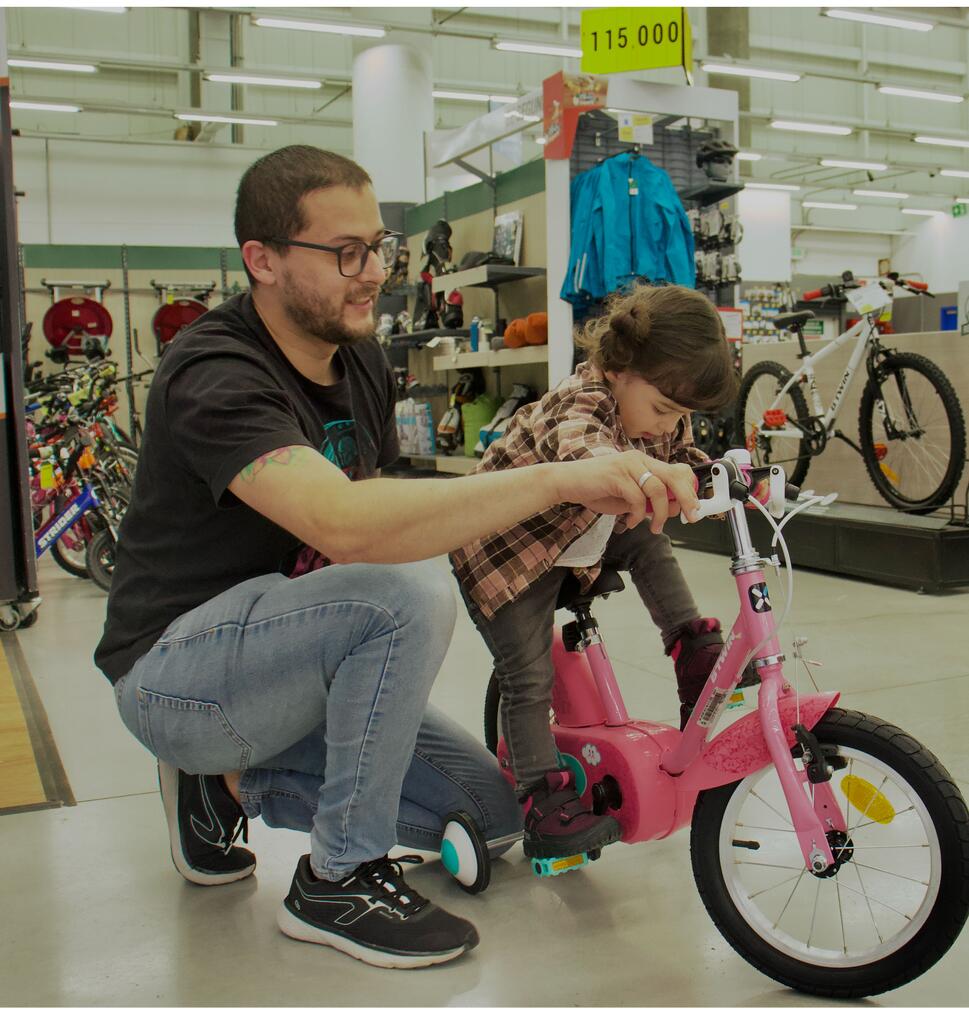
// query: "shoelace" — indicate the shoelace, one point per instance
point(386, 877)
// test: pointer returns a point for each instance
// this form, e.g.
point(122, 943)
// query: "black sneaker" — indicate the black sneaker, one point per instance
point(373, 915)
point(203, 822)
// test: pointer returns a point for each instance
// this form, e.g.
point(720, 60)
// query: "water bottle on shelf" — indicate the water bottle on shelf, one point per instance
point(475, 333)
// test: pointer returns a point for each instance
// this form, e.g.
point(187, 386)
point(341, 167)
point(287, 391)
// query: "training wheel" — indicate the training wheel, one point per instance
point(464, 852)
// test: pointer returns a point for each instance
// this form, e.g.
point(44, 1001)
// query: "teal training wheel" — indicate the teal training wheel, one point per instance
point(464, 852)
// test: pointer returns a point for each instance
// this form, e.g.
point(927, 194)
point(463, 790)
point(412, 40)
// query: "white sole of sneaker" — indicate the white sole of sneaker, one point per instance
point(299, 930)
point(168, 784)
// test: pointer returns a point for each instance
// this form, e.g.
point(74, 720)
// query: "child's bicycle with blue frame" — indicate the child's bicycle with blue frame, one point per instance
point(829, 847)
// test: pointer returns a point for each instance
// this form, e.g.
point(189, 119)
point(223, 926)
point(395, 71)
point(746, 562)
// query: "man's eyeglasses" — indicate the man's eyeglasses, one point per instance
point(352, 257)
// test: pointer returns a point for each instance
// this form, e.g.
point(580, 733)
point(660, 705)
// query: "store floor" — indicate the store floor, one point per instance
point(95, 914)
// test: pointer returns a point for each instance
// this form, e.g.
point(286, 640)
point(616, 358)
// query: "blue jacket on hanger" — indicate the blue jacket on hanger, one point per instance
point(627, 223)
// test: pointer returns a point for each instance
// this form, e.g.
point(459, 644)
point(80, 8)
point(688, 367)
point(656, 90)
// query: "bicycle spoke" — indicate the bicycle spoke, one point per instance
point(771, 807)
point(874, 921)
point(890, 873)
point(777, 921)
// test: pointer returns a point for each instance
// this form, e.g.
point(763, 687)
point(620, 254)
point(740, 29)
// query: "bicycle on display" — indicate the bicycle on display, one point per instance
point(911, 429)
point(828, 846)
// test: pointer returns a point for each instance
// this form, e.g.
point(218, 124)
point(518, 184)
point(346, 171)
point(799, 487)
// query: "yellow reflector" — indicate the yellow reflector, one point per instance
point(888, 472)
point(568, 863)
point(865, 797)
point(86, 460)
point(47, 480)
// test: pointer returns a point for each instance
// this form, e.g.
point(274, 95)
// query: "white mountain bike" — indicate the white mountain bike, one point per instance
point(911, 430)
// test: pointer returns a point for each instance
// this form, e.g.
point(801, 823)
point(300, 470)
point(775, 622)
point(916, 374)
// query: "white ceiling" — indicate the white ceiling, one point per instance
point(146, 63)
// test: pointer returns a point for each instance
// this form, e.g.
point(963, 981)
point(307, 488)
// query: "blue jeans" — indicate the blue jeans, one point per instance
point(316, 690)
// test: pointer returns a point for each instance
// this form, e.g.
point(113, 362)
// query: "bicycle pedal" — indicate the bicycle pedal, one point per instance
point(560, 864)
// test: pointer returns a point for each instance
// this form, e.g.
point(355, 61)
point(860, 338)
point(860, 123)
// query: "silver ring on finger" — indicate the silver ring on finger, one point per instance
point(644, 478)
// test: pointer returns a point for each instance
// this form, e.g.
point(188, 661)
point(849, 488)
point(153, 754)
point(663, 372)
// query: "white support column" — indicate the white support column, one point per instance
point(558, 239)
point(393, 109)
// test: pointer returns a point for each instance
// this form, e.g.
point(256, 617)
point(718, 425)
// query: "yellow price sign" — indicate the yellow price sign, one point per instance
point(617, 39)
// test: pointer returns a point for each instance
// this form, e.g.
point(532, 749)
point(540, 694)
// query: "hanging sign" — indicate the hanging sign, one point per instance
point(617, 39)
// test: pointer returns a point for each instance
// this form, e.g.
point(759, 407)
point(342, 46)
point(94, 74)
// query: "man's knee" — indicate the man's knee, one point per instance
point(427, 593)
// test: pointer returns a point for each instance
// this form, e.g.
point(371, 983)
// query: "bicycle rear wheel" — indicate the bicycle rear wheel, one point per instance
point(896, 898)
point(916, 450)
point(100, 558)
point(758, 390)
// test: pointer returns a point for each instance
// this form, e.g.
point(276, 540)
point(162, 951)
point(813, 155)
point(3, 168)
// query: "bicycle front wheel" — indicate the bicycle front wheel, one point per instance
point(898, 894)
point(912, 433)
point(759, 389)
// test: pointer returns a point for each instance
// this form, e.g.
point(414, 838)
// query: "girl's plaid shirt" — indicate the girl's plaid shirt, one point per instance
point(578, 419)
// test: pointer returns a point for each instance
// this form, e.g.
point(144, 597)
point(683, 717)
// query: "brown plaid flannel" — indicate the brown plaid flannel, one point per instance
point(578, 419)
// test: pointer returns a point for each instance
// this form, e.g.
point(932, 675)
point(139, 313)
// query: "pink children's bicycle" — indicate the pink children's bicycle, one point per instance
point(830, 848)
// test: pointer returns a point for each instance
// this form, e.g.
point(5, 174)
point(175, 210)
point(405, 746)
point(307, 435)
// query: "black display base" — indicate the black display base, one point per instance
point(878, 544)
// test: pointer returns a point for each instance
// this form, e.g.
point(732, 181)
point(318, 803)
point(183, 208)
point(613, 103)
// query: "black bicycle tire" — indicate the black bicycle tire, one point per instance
point(100, 574)
point(66, 565)
point(492, 704)
point(782, 374)
point(948, 812)
point(957, 427)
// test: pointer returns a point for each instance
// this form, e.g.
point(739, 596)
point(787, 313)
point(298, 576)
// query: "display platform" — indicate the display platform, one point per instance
point(928, 554)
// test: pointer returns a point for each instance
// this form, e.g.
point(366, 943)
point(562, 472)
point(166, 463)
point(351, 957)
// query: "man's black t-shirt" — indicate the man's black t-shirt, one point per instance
point(223, 395)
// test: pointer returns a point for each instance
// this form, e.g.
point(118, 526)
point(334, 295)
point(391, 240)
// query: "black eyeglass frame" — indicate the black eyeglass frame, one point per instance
point(338, 250)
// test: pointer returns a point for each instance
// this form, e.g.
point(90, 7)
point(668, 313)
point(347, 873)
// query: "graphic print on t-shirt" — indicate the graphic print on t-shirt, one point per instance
point(340, 447)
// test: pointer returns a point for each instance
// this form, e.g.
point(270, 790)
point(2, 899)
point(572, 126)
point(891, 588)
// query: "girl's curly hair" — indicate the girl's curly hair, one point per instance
point(671, 336)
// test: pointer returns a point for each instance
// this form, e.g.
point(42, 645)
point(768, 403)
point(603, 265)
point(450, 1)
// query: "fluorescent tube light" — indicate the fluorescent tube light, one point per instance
point(893, 194)
point(247, 121)
point(44, 107)
point(541, 140)
point(947, 142)
point(961, 200)
point(320, 26)
point(74, 68)
point(540, 48)
point(922, 211)
point(255, 79)
point(837, 163)
point(101, 10)
point(829, 205)
point(748, 156)
point(771, 186)
point(473, 97)
point(879, 19)
point(732, 68)
point(960, 174)
point(811, 128)
point(918, 93)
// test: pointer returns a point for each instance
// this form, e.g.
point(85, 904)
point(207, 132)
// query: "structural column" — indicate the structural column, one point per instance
point(393, 109)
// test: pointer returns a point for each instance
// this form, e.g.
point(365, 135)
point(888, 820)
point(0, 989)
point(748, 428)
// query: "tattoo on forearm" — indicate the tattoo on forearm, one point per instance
point(281, 456)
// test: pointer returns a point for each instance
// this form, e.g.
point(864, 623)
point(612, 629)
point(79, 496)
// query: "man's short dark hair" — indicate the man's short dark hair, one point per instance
point(271, 191)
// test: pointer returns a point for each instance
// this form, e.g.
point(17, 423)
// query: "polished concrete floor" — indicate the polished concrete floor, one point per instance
point(93, 912)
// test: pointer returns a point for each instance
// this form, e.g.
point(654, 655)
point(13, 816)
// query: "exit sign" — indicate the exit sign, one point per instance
point(958, 210)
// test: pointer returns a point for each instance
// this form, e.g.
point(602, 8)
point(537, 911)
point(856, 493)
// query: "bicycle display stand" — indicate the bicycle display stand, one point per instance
point(879, 544)
point(77, 323)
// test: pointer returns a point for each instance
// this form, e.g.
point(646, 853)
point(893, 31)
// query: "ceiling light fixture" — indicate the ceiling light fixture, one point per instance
point(541, 140)
point(961, 200)
point(895, 195)
point(770, 186)
point(829, 205)
point(738, 71)
point(918, 93)
point(320, 26)
point(73, 68)
point(539, 48)
point(837, 163)
point(748, 156)
point(255, 79)
point(947, 142)
point(101, 10)
point(246, 121)
point(922, 211)
point(44, 107)
point(879, 19)
point(811, 128)
point(473, 97)
point(960, 174)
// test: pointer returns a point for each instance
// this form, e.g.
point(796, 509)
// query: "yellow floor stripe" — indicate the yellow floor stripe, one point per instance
point(20, 780)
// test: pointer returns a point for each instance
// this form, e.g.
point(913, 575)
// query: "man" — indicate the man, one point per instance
point(266, 683)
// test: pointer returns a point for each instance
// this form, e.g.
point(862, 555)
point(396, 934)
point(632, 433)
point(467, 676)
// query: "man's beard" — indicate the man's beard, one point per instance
point(322, 318)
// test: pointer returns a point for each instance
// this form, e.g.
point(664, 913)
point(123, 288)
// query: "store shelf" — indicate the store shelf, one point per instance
point(456, 464)
point(711, 192)
point(487, 276)
point(492, 359)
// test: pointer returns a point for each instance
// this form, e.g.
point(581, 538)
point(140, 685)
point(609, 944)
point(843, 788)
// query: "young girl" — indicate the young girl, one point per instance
point(654, 356)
